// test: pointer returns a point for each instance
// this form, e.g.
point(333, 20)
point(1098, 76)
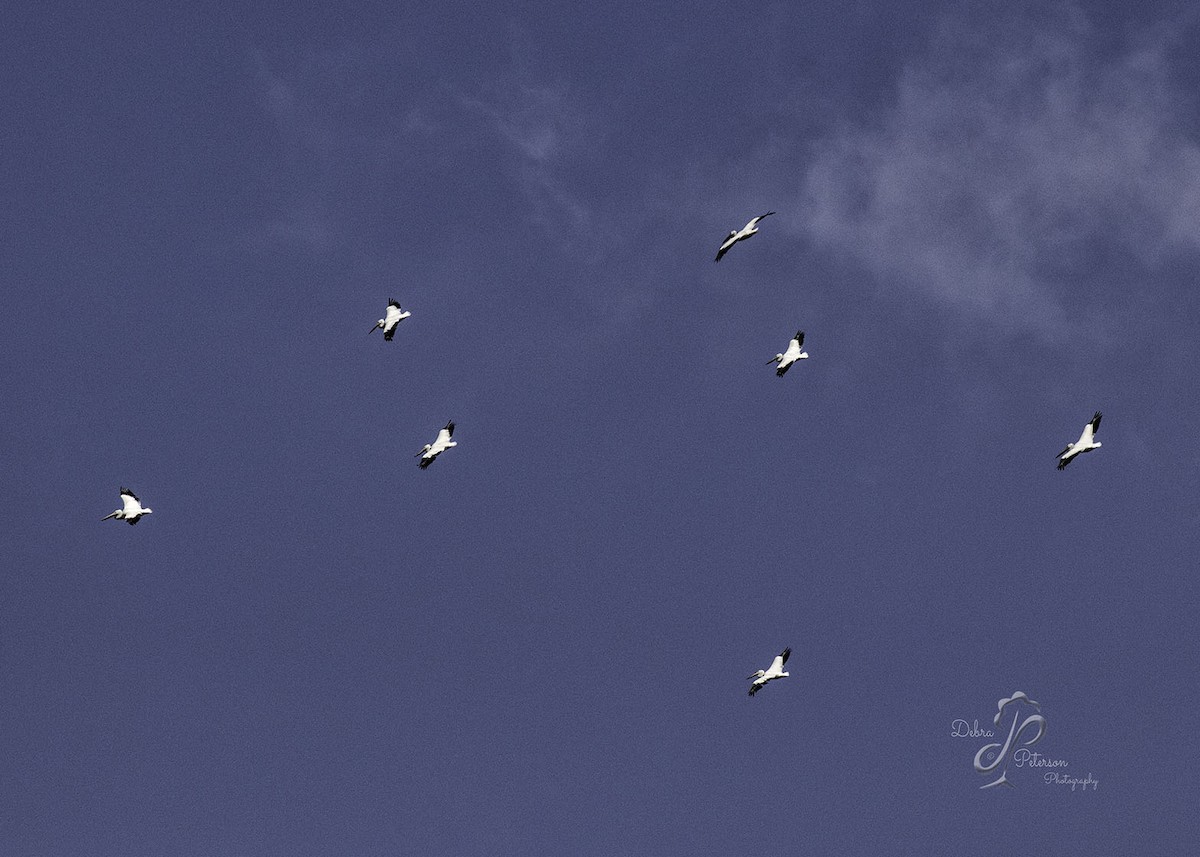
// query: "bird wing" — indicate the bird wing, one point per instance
point(449, 429)
point(390, 332)
point(729, 241)
point(799, 339)
point(754, 688)
point(393, 302)
point(1066, 449)
point(784, 655)
point(754, 222)
point(132, 504)
point(1096, 422)
point(133, 520)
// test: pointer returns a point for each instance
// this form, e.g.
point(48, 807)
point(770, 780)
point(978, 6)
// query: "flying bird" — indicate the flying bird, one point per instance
point(793, 353)
point(390, 321)
point(761, 677)
point(132, 511)
point(740, 235)
point(432, 450)
point(1085, 443)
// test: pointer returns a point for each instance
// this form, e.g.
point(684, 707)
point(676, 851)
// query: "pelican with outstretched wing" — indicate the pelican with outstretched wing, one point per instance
point(775, 671)
point(390, 320)
point(132, 510)
point(1086, 443)
point(787, 358)
point(432, 450)
point(736, 235)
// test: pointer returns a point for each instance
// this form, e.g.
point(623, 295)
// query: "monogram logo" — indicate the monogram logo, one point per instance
point(992, 756)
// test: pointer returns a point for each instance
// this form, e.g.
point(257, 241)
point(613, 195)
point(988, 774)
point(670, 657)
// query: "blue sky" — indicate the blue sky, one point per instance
point(987, 227)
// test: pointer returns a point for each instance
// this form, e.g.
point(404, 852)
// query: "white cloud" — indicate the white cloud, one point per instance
point(998, 166)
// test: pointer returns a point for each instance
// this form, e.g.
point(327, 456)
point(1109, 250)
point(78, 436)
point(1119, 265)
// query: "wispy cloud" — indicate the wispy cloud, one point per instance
point(539, 131)
point(1001, 167)
point(545, 128)
point(324, 136)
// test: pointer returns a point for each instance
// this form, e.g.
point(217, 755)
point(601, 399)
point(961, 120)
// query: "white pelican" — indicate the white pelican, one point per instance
point(390, 321)
point(432, 450)
point(132, 512)
point(740, 235)
point(1084, 444)
point(793, 353)
point(761, 677)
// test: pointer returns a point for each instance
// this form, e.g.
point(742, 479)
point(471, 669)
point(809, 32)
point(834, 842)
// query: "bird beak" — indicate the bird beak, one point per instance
point(772, 360)
point(372, 330)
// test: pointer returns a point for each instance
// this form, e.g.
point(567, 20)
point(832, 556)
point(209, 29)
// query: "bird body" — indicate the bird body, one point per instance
point(391, 319)
point(132, 510)
point(742, 234)
point(761, 677)
point(1086, 443)
point(793, 353)
point(432, 450)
